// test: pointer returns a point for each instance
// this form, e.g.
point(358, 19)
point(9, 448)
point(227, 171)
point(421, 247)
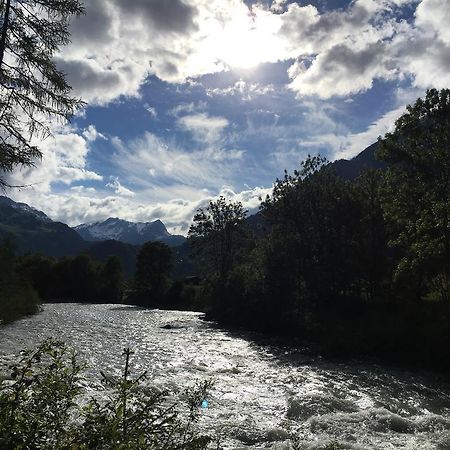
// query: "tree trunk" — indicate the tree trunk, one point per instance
point(4, 31)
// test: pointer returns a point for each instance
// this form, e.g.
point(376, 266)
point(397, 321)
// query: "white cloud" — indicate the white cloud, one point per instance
point(115, 185)
point(247, 91)
point(152, 111)
point(278, 6)
point(168, 182)
point(63, 161)
point(434, 15)
point(204, 128)
point(150, 160)
point(188, 108)
point(117, 44)
point(91, 134)
point(83, 205)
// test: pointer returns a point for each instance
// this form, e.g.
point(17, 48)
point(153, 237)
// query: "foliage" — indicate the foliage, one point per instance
point(151, 279)
point(37, 401)
point(82, 279)
point(41, 408)
point(17, 297)
point(112, 279)
point(216, 233)
point(416, 196)
point(308, 212)
point(134, 418)
point(33, 89)
point(78, 279)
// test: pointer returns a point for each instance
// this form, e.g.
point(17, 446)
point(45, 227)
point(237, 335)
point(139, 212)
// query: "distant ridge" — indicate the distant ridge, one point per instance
point(34, 232)
point(350, 169)
point(135, 233)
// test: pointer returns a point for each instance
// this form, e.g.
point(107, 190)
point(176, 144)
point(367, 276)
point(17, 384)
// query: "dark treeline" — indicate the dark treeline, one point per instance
point(25, 281)
point(74, 279)
point(17, 296)
point(359, 267)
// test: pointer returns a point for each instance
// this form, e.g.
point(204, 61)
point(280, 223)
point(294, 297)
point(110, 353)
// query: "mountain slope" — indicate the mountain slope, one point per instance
point(128, 232)
point(33, 232)
point(350, 169)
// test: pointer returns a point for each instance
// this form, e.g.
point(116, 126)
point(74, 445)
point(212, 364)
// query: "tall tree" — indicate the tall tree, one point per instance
point(32, 89)
point(153, 265)
point(417, 191)
point(113, 281)
point(216, 231)
point(314, 217)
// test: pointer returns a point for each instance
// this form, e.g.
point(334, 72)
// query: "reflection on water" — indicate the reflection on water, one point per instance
point(261, 392)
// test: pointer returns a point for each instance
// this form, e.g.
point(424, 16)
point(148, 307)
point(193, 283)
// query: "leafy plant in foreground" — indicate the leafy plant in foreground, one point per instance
point(137, 418)
point(37, 400)
point(40, 408)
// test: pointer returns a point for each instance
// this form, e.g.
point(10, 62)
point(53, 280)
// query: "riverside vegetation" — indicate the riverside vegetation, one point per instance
point(41, 408)
point(358, 267)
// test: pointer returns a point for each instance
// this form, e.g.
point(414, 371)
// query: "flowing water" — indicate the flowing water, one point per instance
point(262, 393)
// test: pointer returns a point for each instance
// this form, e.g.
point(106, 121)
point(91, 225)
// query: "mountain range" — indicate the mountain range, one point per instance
point(32, 231)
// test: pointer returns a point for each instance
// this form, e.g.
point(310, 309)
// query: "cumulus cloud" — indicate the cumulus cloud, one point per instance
point(347, 50)
point(434, 15)
point(115, 185)
point(84, 205)
point(64, 160)
point(204, 128)
point(119, 43)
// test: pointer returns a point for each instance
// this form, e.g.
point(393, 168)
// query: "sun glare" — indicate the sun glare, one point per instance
point(246, 40)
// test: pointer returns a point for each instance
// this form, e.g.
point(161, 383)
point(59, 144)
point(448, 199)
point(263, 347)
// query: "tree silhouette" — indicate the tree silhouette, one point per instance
point(215, 232)
point(153, 265)
point(32, 89)
point(417, 190)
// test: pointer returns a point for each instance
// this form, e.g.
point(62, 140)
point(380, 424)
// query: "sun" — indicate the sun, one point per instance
point(246, 40)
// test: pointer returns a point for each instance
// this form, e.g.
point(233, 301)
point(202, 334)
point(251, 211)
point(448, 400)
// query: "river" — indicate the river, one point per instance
point(261, 392)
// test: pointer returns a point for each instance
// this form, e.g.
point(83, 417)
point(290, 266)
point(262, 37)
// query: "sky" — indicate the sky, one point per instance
point(187, 100)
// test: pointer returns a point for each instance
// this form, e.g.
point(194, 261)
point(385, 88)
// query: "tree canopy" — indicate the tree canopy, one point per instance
point(216, 230)
point(33, 90)
point(151, 278)
point(417, 189)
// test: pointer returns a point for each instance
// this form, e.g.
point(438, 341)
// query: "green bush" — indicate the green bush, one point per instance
point(17, 297)
point(40, 408)
point(16, 301)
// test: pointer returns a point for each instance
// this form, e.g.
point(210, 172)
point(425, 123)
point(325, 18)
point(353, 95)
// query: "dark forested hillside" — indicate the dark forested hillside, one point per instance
point(350, 169)
point(33, 232)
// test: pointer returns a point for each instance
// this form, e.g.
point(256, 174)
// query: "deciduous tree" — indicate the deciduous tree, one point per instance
point(417, 190)
point(153, 265)
point(216, 230)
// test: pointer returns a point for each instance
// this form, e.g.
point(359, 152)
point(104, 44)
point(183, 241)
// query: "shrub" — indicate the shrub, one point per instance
point(40, 408)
